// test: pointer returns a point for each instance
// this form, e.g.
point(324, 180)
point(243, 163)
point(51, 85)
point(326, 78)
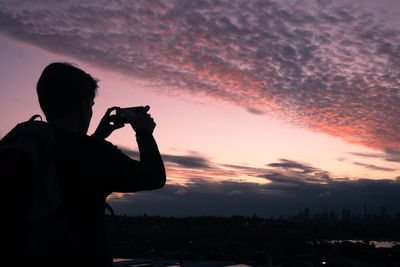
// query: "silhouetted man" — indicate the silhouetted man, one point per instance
point(88, 167)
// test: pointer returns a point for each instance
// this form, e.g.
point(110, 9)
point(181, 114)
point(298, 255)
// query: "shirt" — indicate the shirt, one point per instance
point(88, 170)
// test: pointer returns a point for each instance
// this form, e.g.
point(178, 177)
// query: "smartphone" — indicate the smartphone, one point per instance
point(124, 115)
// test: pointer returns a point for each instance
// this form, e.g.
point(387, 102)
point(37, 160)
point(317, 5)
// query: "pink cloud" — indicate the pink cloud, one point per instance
point(332, 66)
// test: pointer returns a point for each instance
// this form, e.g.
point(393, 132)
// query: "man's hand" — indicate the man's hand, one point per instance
point(143, 121)
point(107, 124)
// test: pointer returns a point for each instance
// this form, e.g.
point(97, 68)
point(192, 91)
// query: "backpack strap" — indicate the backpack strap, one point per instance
point(31, 137)
point(34, 117)
point(110, 209)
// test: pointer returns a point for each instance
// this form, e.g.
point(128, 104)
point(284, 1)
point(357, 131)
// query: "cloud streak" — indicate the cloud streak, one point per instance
point(330, 66)
point(198, 186)
point(182, 168)
point(226, 198)
point(373, 167)
point(390, 155)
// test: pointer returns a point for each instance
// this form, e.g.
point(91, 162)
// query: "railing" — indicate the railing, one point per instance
point(144, 263)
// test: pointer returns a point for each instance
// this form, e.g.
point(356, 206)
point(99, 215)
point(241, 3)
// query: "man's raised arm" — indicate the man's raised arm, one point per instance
point(150, 158)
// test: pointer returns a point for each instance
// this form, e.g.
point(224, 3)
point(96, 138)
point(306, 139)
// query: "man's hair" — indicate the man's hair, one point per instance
point(62, 88)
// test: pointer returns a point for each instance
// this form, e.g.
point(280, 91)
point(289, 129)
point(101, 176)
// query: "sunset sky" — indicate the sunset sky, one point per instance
point(262, 107)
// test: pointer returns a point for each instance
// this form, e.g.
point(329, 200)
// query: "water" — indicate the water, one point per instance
point(378, 244)
point(173, 263)
point(164, 263)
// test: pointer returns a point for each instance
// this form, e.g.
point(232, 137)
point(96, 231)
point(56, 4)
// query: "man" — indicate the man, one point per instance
point(88, 167)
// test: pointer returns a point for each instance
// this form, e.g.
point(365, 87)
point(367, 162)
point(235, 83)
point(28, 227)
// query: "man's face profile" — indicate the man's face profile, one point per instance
point(86, 115)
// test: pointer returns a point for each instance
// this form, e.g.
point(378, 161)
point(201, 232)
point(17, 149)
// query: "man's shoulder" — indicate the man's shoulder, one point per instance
point(99, 142)
point(83, 141)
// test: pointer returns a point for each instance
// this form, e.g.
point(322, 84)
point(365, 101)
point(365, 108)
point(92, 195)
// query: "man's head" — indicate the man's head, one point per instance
point(64, 90)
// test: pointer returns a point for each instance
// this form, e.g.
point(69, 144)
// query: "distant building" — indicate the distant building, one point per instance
point(383, 211)
point(346, 215)
point(365, 210)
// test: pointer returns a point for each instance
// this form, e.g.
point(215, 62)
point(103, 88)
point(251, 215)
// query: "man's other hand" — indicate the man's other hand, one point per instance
point(143, 121)
point(108, 124)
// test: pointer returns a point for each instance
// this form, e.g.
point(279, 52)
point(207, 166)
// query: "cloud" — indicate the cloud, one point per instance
point(324, 3)
point(194, 161)
point(134, 154)
point(228, 198)
point(390, 155)
point(367, 155)
point(180, 168)
point(289, 164)
point(284, 172)
point(255, 111)
point(332, 66)
point(211, 188)
point(373, 167)
point(292, 172)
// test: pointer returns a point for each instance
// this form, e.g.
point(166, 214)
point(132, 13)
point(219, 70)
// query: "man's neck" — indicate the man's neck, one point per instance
point(67, 124)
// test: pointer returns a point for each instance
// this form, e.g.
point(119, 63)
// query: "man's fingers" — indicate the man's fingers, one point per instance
point(143, 111)
point(115, 122)
point(118, 125)
point(112, 117)
point(108, 112)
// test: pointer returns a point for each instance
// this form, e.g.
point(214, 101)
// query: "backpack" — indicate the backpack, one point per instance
point(37, 228)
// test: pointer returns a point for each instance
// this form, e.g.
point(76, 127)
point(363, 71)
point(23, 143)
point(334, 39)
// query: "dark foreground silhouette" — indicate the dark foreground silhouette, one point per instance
point(256, 241)
point(57, 178)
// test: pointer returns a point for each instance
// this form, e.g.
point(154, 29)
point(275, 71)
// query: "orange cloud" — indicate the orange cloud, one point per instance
point(332, 67)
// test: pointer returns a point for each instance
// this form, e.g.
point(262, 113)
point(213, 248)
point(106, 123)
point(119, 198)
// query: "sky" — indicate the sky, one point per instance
point(262, 107)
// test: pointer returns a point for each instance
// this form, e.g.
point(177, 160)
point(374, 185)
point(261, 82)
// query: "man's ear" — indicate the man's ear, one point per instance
point(82, 107)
